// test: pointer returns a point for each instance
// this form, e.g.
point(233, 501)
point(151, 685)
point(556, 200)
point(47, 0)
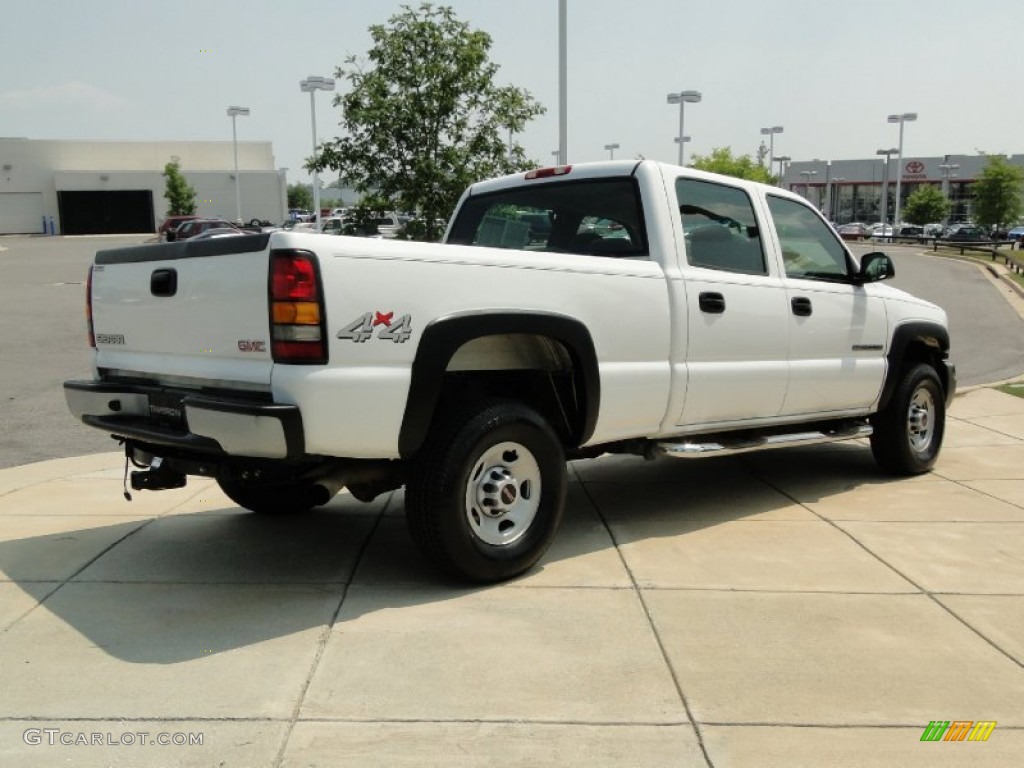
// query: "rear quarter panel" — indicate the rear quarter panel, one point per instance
point(356, 403)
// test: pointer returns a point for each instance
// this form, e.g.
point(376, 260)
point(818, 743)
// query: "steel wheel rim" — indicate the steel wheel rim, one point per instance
point(921, 420)
point(503, 494)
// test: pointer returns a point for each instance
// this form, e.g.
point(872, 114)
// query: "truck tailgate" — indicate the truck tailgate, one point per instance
point(186, 312)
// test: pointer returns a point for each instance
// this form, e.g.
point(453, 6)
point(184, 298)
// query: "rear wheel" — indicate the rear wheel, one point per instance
point(267, 498)
point(909, 430)
point(487, 492)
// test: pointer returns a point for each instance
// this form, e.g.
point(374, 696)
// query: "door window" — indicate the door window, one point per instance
point(810, 249)
point(719, 227)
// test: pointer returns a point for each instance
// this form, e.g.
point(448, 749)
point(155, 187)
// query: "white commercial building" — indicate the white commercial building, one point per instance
point(103, 187)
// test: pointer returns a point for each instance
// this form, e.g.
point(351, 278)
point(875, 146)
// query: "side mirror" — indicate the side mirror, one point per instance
point(874, 267)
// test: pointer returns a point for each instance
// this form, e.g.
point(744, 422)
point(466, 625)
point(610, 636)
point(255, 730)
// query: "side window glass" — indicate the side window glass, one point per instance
point(810, 249)
point(596, 217)
point(719, 227)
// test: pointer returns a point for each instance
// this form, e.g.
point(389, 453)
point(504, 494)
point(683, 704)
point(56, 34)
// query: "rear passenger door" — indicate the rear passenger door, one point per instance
point(736, 315)
point(837, 330)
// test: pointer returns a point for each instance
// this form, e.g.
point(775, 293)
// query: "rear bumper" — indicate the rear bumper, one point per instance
point(199, 424)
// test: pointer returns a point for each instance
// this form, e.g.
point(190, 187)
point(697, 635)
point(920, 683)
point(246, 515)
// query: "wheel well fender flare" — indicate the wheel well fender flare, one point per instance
point(442, 338)
point(931, 335)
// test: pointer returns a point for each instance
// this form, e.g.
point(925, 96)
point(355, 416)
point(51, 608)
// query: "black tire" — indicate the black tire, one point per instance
point(266, 498)
point(909, 430)
point(487, 492)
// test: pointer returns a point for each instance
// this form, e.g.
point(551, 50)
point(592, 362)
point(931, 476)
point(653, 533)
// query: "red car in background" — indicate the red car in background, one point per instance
point(195, 226)
point(166, 229)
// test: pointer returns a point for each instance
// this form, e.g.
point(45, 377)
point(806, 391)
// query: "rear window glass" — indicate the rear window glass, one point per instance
point(600, 217)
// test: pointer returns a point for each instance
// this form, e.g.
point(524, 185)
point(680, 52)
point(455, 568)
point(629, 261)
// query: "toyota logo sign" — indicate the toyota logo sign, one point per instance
point(915, 166)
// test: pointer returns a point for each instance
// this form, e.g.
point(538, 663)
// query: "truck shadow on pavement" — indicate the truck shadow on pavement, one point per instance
point(182, 586)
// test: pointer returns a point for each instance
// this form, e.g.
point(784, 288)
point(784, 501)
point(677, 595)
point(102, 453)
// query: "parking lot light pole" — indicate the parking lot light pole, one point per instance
point(685, 139)
point(906, 117)
point(946, 169)
point(611, 149)
point(770, 133)
point(682, 98)
point(563, 84)
point(233, 113)
point(311, 85)
point(782, 160)
point(884, 207)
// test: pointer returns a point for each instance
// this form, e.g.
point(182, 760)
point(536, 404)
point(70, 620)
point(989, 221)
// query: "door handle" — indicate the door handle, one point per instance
point(801, 306)
point(712, 303)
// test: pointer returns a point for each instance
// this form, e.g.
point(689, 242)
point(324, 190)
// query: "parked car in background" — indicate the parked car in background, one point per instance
point(855, 230)
point(968, 233)
point(354, 228)
point(293, 225)
point(880, 231)
point(258, 226)
point(215, 232)
point(332, 225)
point(910, 230)
point(1017, 234)
point(390, 224)
point(954, 226)
point(933, 230)
point(165, 232)
point(193, 227)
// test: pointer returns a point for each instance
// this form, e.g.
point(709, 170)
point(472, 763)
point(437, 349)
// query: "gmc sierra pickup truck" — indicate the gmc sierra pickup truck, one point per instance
point(631, 307)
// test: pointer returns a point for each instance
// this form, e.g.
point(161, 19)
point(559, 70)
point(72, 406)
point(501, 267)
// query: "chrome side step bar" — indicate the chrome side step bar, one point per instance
point(724, 446)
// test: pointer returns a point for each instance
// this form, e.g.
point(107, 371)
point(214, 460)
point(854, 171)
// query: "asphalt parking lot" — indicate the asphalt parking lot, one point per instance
point(784, 609)
point(793, 608)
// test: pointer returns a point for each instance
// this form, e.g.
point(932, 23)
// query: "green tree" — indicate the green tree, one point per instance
point(181, 197)
point(424, 117)
point(998, 194)
point(927, 204)
point(300, 196)
point(722, 161)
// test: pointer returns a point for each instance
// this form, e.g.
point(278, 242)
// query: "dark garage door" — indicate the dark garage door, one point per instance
point(106, 213)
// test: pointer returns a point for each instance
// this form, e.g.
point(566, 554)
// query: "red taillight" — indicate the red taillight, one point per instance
point(294, 278)
point(88, 309)
point(297, 320)
point(546, 173)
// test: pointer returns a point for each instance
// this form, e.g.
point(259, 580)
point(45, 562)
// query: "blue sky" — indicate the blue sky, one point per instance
point(827, 71)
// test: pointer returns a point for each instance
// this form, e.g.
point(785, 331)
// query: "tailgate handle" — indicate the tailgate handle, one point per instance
point(163, 282)
point(712, 303)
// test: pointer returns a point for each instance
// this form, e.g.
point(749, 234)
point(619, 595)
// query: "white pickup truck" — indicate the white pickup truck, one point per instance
point(631, 307)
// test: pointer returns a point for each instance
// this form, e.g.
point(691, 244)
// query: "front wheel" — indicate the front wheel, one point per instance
point(487, 492)
point(909, 430)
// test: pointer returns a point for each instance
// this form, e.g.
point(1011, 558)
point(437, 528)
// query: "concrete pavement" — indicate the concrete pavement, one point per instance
point(793, 608)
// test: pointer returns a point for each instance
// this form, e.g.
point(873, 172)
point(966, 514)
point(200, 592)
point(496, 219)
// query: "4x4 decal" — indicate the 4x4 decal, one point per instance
point(362, 329)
